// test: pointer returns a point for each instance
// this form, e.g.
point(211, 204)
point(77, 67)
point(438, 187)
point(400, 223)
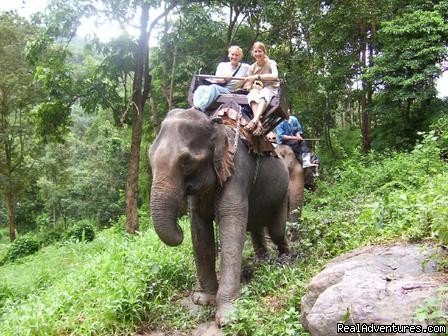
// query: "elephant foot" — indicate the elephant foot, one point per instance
point(283, 249)
point(225, 314)
point(203, 298)
point(285, 258)
point(262, 255)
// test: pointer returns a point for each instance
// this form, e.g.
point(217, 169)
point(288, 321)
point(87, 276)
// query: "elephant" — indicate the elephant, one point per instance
point(193, 157)
point(299, 179)
point(296, 184)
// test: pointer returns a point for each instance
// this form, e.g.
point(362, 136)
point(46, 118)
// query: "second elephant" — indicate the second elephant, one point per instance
point(296, 184)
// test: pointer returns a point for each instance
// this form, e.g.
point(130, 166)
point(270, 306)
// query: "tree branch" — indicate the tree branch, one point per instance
point(165, 12)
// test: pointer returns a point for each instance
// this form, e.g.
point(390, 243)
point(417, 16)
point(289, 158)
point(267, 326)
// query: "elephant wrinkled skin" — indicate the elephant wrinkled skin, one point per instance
point(191, 158)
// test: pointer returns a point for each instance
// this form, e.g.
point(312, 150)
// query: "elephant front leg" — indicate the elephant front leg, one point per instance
point(232, 228)
point(205, 255)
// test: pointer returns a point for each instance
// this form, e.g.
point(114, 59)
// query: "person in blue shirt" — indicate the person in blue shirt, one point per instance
point(290, 132)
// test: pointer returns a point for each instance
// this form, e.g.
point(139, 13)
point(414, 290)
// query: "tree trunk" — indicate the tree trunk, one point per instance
point(154, 115)
point(364, 99)
point(141, 85)
point(140, 92)
point(365, 123)
point(327, 125)
point(53, 210)
point(11, 206)
point(232, 27)
point(168, 91)
point(173, 72)
point(9, 195)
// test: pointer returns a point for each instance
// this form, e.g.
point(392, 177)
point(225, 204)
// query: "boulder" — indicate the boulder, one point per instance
point(374, 285)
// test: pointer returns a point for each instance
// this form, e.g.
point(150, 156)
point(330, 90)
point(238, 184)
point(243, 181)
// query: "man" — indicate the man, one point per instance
point(290, 132)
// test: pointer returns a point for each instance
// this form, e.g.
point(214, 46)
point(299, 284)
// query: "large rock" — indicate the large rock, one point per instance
point(376, 284)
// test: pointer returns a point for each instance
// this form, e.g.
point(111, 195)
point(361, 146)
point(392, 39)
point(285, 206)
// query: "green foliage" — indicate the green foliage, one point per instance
point(84, 177)
point(57, 58)
point(48, 235)
point(29, 209)
point(53, 121)
point(3, 215)
point(81, 231)
point(414, 43)
point(109, 77)
point(344, 142)
point(432, 311)
point(440, 127)
point(379, 197)
point(115, 282)
point(18, 95)
point(413, 204)
point(98, 179)
point(103, 287)
point(390, 134)
point(21, 247)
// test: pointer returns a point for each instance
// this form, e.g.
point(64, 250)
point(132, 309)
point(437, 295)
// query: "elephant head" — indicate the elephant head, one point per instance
point(190, 156)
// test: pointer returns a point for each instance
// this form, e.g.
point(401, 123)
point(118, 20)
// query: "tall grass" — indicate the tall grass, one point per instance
point(103, 287)
point(379, 197)
point(4, 241)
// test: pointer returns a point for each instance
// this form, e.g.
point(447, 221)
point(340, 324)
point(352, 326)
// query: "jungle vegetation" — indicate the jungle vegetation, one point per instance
point(78, 254)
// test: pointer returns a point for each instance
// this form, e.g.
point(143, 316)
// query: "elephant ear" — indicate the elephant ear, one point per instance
point(222, 153)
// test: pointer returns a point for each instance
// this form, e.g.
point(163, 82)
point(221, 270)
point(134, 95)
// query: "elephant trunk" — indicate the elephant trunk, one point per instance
point(165, 205)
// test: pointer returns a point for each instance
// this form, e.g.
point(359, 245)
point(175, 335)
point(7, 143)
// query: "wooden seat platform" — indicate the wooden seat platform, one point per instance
point(274, 114)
